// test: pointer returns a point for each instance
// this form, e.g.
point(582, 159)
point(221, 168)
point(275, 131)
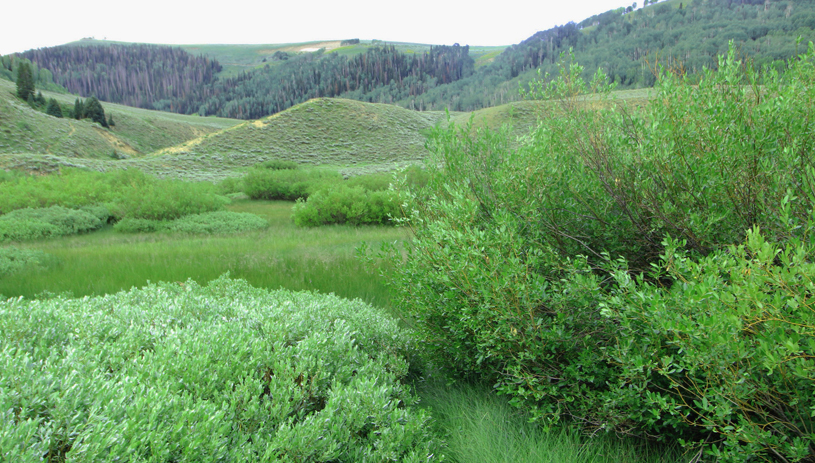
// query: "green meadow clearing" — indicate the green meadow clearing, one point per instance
point(282, 256)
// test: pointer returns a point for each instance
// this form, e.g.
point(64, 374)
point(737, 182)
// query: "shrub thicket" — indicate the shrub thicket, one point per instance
point(287, 184)
point(370, 199)
point(208, 223)
point(157, 199)
point(226, 372)
point(646, 271)
point(339, 204)
point(71, 188)
point(14, 259)
point(31, 224)
point(126, 193)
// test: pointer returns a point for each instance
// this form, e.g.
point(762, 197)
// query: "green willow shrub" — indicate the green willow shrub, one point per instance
point(494, 300)
point(230, 185)
point(130, 225)
point(217, 223)
point(340, 204)
point(14, 259)
point(157, 199)
point(127, 193)
point(227, 372)
point(71, 188)
point(208, 223)
point(727, 351)
point(704, 161)
point(30, 224)
point(287, 184)
point(525, 264)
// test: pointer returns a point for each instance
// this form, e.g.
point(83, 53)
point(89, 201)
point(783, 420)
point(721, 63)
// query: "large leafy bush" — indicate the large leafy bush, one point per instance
point(226, 372)
point(369, 199)
point(339, 204)
point(552, 268)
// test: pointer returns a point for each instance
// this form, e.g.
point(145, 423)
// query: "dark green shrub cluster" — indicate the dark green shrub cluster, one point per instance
point(227, 372)
point(371, 199)
point(127, 193)
point(167, 200)
point(208, 223)
point(287, 184)
point(277, 164)
point(72, 188)
point(647, 271)
point(339, 204)
point(130, 225)
point(31, 224)
point(229, 186)
point(14, 259)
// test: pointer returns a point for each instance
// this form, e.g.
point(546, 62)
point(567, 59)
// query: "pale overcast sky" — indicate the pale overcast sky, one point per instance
point(48, 23)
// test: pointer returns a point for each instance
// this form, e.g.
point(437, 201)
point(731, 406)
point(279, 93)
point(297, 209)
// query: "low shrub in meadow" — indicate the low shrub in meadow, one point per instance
point(72, 188)
point(217, 223)
point(340, 204)
point(209, 223)
point(167, 200)
point(31, 224)
point(287, 184)
point(277, 164)
point(126, 193)
point(226, 372)
point(14, 259)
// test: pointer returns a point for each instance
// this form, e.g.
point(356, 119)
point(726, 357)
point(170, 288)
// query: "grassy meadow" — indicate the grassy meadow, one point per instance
point(282, 256)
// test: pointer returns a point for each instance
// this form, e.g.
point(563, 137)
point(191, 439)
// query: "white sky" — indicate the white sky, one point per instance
point(46, 23)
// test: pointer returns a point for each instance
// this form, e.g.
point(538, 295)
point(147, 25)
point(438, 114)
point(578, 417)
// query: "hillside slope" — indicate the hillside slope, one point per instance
point(351, 136)
point(324, 131)
point(24, 130)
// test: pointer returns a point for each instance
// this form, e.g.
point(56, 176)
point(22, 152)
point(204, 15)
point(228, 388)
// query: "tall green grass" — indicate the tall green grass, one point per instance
point(480, 426)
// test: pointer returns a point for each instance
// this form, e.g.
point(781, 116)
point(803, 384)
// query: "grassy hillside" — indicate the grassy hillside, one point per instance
point(352, 136)
point(347, 134)
point(137, 131)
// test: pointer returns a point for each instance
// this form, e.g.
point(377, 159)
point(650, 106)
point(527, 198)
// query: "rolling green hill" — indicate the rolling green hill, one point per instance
point(324, 131)
point(24, 130)
point(348, 135)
